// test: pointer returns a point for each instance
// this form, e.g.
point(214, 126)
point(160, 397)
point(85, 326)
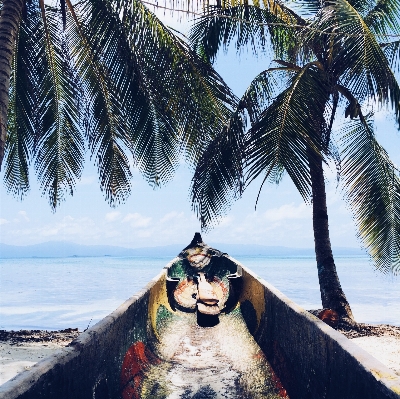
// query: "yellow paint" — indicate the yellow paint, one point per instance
point(396, 389)
point(253, 291)
point(158, 296)
point(382, 375)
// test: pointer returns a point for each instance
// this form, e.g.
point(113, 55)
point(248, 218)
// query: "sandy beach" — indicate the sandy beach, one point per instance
point(384, 348)
point(16, 358)
point(20, 350)
point(381, 341)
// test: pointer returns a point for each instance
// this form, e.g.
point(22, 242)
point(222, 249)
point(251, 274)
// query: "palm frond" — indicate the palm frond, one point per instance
point(263, 90)
point(392, 52)
point(218, 178)
point(384, 17)
point(372, 185)
point(116, 105)
point(358, 58)
point(152, 137)
point(249, 25)
point(363, 6)
point(306, 8)
point(287, 136)
point(189, 94)
point(22, 106)
point(60, 149)
point(156, 95)
point(219, 175)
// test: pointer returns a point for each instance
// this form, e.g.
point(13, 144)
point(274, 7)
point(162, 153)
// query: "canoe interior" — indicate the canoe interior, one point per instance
point(198, 341)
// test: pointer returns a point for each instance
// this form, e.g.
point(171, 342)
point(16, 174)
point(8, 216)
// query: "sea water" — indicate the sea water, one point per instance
point(57, 293)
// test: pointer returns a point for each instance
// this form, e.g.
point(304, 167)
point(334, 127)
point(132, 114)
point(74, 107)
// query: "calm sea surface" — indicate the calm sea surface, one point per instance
point(56, 293)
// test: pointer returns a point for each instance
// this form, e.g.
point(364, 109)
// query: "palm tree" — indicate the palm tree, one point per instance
point(327, 54)
point(102, 74)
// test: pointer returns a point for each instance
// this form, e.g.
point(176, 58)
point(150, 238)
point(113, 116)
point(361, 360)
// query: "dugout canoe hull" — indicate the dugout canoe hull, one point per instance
point(312, 360)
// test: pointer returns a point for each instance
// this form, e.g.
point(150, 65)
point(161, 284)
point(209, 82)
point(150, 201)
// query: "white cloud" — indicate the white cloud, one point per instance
point(383, 114)
point(50, 232)
point(171, 216)
point(24, 215)
point(288, 211)
point(83, 230)
point(112, 216)
point(3, 221)
point(226, 221)
point(137, 220)
point(86, 181)
point(289, 225)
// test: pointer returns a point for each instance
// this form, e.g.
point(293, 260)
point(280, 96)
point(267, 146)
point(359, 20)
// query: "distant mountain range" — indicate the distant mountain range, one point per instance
point(67, 249)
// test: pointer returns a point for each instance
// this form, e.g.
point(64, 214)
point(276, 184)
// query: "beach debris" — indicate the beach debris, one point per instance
point(63, 337)
point(329, 317)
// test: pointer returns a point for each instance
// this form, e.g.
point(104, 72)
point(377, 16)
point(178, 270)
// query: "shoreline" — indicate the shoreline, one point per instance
point(382, 341)
point(20, 350)
point(59, 337)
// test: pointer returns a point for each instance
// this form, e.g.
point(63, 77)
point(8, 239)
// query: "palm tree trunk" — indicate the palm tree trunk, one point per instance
point(332, 295)
point(10, 18)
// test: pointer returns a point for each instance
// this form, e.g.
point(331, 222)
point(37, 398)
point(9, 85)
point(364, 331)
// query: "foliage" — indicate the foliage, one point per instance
point(107, 76)
point(329, 56)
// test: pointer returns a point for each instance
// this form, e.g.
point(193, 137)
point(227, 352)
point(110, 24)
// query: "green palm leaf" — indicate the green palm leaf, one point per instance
point(383, 18)
point(148, 93)
point(372, 185)
point(392, 52)
point(249, 25)
point(112, 88)
point(60, 148)
point(263, 89)
point(218, 178)
point(287, 134)
point(22, 121)
point(357, 57)
point(283, 137)
point(306, 8)
point(190, 96)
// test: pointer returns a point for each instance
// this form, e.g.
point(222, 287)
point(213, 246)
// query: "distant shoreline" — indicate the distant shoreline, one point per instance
point(57, 249)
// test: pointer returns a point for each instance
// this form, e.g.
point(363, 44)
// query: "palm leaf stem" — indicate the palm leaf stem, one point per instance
point(335, 104)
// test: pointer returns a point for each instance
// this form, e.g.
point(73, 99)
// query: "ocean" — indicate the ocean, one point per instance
point(57, 293)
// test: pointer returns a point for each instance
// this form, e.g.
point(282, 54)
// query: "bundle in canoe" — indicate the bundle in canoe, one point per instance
point(207, 328)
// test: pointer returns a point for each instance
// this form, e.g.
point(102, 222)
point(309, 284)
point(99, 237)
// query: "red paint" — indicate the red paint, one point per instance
point(278, 385)
point(137, 360)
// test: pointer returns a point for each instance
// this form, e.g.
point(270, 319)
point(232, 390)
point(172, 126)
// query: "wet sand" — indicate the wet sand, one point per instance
point(16, 358)
point(20, 350)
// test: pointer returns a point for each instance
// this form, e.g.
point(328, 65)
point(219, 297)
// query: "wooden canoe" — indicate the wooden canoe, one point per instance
point(207, 328)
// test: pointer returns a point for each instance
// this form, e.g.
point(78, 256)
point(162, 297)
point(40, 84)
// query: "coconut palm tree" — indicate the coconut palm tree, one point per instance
point(331, 57)
point(105, 75)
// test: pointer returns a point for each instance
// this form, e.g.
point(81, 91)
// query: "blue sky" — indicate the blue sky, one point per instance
point(164, 216)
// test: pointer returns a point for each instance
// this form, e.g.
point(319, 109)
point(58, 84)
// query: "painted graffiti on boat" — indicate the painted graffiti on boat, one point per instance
point(200, 345)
